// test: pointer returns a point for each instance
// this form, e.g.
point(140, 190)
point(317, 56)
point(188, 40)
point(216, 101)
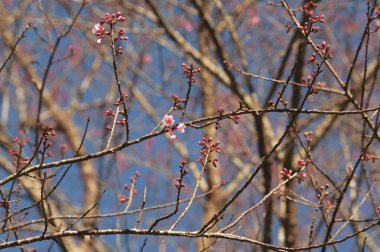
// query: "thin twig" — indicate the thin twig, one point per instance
point(141, 210)
point(46, 223)
point(113, 128)
point(13, 49)
point(188, 234)
point(329, 90)
point(191, 123)
point(194, 191)
point(85, 213)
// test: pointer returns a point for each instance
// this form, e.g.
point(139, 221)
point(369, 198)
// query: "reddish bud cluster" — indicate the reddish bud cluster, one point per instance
point(110, 19)
point(121, 122)
point(286, 173)
point(326, 53)
point(302, 163)
point(179, 185)
point(312, 59)
point(178, 102)
point(123, 198)
point(42, 148)
point(118, 100)
point(317, 19)
point(308, 27)
point(207, 148)
point(109, 112)
point(220, 111)
point(19, 141)
point(183, 172)
point(133, 178)
point(182, 164)
point(47, 131)
point(304, 27)
point(190, 71)
point(309, 7)
point(325, 49)
point(176, 99)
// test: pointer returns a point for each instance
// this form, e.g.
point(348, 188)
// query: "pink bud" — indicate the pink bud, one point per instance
point(123, 198)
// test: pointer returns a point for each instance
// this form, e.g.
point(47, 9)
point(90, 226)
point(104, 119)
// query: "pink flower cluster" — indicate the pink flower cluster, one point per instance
point(169, 122)
point(110, 19)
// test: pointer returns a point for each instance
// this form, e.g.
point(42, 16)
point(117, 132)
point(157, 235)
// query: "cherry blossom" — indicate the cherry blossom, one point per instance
point(168, 120)
point(181, 128)
point(98, 30)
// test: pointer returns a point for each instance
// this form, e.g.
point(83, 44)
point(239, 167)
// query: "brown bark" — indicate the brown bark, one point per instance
point(215, 200)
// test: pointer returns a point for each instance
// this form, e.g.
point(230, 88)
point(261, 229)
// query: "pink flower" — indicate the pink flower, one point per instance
point(378, 209)
point(181, 128)
point(110, 19)
point(168, 120)
point(98, 30)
